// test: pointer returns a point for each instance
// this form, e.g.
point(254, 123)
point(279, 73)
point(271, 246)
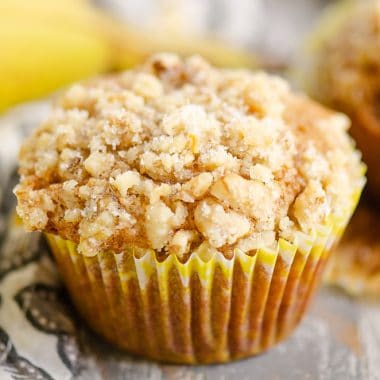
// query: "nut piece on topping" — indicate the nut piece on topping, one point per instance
point(125, 181)
point(251, 198)
point(218, 226)
point(180, 243)
point(196, 187)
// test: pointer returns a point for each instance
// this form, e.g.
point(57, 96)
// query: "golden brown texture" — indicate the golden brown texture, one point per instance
point(176, 154)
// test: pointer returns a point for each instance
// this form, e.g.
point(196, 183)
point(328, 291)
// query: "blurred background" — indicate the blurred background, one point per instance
point(47, 44)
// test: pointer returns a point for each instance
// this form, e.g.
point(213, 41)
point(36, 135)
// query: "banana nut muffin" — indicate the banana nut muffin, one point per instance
point(190, 209)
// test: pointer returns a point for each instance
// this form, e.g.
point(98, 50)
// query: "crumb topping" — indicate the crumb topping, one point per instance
point(176, 154)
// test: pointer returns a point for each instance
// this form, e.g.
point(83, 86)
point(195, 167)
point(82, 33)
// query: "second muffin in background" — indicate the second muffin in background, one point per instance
point(340, 67)
point(190, 209)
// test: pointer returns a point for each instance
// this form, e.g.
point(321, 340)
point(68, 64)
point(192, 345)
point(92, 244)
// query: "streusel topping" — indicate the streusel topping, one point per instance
point(177, 155)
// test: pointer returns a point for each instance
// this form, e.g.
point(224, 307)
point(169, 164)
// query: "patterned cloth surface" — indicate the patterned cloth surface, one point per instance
point(39, 338)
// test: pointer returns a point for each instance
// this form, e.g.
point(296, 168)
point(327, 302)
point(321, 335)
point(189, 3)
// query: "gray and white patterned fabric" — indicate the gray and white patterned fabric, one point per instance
point(39, 337)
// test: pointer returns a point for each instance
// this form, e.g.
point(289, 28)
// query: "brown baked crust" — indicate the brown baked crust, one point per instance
point(175, 155)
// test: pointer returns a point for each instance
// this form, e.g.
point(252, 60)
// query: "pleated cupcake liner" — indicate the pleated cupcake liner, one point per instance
point(204, 310)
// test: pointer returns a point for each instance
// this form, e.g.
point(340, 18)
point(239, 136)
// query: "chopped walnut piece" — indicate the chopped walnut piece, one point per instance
point(311, 206)
point(180, 243)
point(220, 227)
point(125, 181)
point(197, 186)
point(160, 222)
point(251, 198)
point(99, 164)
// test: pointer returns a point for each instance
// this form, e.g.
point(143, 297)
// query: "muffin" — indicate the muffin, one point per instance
point(341, 68)
point(190, 209)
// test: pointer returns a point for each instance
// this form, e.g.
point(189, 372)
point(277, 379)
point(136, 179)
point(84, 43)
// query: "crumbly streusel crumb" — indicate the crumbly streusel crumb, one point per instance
point(176, 153)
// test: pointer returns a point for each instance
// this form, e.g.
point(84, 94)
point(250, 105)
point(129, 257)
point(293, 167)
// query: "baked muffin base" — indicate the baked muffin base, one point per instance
point(199, 311)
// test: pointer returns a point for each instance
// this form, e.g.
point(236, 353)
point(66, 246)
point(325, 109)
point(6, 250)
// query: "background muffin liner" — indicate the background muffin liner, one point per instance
point(201, 311)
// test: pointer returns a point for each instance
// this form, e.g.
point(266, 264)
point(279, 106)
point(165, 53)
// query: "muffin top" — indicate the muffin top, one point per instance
point(177, 155)
point(346, 68)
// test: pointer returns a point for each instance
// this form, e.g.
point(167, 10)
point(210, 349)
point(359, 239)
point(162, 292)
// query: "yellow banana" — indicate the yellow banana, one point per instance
point(46, 44)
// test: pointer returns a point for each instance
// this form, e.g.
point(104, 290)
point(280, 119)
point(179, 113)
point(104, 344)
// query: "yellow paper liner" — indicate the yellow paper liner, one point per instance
point(199, 311)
